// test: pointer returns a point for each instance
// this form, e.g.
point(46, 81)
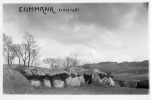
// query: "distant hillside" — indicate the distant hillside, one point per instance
point(144, 63)
point(124, 70)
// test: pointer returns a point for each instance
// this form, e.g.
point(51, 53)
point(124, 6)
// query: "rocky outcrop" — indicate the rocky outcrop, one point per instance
point(107, 81)
point(103, 78)
point(134, 84)
point(143, 84)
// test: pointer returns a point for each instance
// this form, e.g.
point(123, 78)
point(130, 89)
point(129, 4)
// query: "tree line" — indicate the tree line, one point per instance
point(28, 53)
point(68, 61)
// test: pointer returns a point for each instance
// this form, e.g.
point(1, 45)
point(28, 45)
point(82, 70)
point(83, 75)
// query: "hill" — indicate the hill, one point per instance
point(124, 70)
point(14, 82)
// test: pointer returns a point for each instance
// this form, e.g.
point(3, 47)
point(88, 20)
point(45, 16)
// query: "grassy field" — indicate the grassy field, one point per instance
point(90, 90)
point(16, 83)
point(124, 71)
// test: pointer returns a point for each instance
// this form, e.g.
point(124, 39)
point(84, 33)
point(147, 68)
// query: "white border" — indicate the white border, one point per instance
point(68, 97)
point(72, 1)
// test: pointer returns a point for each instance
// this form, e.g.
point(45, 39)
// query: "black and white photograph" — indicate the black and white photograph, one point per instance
point(76, 48)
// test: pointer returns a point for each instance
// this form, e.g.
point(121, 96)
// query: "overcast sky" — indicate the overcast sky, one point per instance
point(98, 32)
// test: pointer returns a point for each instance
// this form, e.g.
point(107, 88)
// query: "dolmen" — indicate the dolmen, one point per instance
point(57, 78)
point(66, 77)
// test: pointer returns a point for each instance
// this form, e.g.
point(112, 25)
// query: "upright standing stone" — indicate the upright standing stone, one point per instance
point(47, 83)
point(81, 79)
point(69, 81)
point(58, 83)
point(96, 78)
point(73, 81)
point(112, 83)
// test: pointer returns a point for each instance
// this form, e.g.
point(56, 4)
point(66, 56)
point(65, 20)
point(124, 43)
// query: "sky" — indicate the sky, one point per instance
point(98, 32)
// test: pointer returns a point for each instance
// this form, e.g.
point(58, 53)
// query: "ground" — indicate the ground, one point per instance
point(91, 90)
point(16, 83)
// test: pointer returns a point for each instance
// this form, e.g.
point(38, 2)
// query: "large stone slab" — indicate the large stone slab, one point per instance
point(73, 81)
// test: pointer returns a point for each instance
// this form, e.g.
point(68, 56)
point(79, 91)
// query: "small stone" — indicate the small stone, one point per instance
point(35, 83)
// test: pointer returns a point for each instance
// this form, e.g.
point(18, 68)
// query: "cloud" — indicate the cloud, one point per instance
point(101, 31)
point(109, 16)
